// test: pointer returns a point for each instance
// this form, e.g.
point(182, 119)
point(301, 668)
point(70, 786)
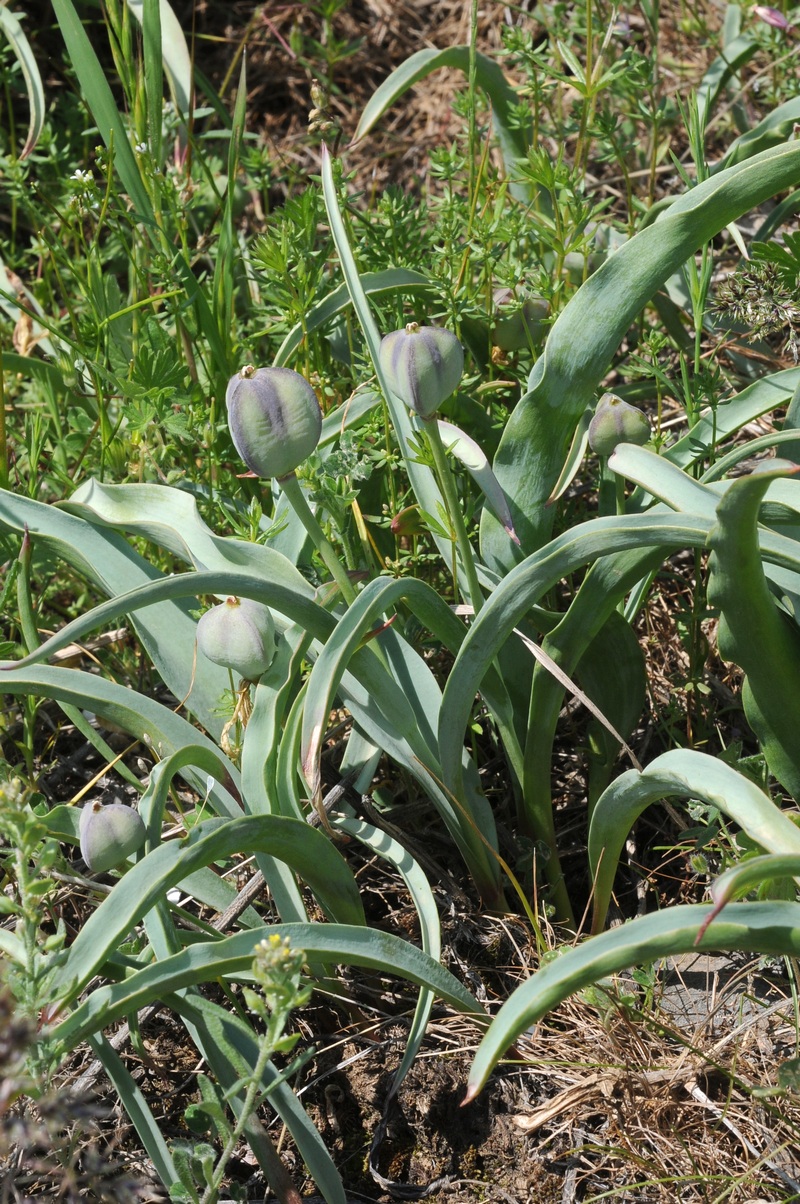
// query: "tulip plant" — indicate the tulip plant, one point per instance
point(297, 632)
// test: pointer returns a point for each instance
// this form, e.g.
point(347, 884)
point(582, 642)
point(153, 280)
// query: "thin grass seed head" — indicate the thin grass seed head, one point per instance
point(423, 366)
point(274, 419)
point(614, 422)
point(109, 833)
point(239, 634)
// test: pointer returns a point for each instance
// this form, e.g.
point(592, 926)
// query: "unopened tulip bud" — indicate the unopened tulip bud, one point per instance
point(518, 327)
point(109, 833)
point(423, 366)
point(274, 419)
point(239, 634)
point(616, 422)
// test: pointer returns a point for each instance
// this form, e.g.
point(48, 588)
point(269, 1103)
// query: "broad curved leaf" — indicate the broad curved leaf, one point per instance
point(687, 774)
point(769, 928)
point(306, 849)
point(589, 330)
point(524, 586)
point(11, 27)
point(233, 955)
point(107, 559)
point(753, 632)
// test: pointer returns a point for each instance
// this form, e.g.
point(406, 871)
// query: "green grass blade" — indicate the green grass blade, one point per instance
point(419, 888)
point(227, 251)
point(99, 97)
point(228, 1043)
point(137, 1108)
point(734, 56)
point(10, 26)
point(514, 138)
point(769, 928)
point(174, 54)
point(153, 75)
point(679, 773)
point(422, 479)
point(387, 283)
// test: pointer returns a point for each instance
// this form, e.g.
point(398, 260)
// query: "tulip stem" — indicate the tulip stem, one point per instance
point(297, 500)
point(453, 507)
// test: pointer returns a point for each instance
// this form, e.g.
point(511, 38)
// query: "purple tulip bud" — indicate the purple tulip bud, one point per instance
point(422, 365)
point(274, 419)
point(772, 16)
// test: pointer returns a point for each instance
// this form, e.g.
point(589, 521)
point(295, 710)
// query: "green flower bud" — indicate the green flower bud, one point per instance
point(408, 521)
point(423, 365)
point(518, 327)
point(239, 634)
point(274, 419)
point(616, 422)
point(109, 833)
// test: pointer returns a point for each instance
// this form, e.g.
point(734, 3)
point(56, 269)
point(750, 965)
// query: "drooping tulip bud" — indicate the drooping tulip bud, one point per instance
point(239, 634)
point(274, 419)
point(423, 365)
point(616, 422)
point(109, 833)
